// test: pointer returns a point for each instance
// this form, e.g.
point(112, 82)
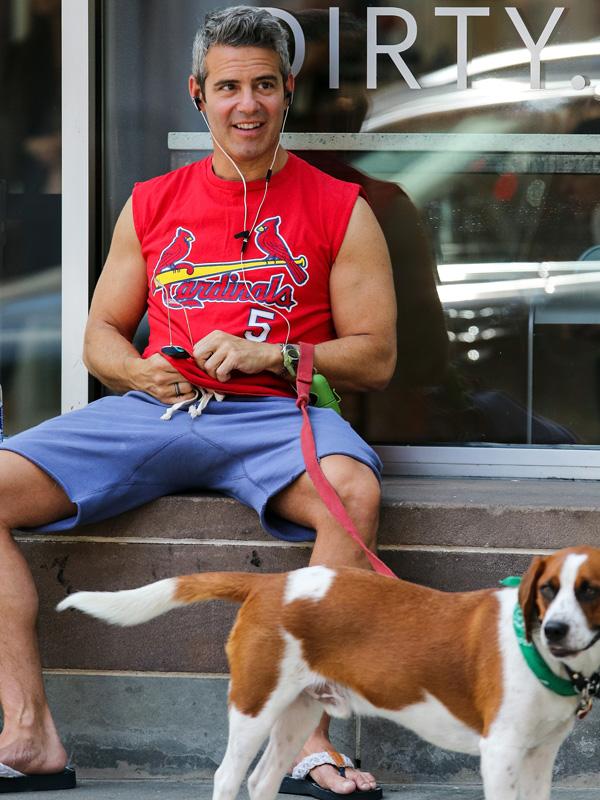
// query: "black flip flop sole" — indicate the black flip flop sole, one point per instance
point(305, 787)
point(39, 783)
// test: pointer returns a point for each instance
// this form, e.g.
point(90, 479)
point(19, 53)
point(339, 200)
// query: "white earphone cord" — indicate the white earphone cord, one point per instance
point(251, 230)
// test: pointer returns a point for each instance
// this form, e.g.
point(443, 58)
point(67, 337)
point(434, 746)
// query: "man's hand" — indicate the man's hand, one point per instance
point(157, 377)
point(219, 353)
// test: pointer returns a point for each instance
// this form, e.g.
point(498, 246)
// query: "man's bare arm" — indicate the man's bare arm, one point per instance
point(118, 305)
point(363, 302)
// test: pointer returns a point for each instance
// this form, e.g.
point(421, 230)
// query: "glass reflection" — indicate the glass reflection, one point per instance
point(30, 194)
point(421, 335)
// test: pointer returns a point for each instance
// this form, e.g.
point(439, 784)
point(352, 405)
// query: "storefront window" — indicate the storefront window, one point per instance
point(515, 240)
point(487, 193)
point(30, 210)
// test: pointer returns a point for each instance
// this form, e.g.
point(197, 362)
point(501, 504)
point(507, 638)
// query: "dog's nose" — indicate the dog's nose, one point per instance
point(555, 630)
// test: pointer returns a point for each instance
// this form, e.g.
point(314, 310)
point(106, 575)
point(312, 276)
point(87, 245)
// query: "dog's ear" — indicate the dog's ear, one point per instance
point(527, 592)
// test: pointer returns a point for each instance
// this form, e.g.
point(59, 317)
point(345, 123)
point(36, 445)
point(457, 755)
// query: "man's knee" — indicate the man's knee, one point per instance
point(359, 491)
point(5, 532)
point(28, 495)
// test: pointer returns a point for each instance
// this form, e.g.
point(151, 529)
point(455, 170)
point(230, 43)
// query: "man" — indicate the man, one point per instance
point(233, 257)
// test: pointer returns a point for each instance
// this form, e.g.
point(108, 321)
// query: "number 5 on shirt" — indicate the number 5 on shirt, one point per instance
point(257, 320)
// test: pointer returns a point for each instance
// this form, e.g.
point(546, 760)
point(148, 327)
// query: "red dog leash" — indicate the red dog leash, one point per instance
point(328, 494)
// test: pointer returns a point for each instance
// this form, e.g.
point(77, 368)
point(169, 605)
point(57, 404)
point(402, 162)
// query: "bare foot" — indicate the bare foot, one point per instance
point(32, 752)
point(327, 776)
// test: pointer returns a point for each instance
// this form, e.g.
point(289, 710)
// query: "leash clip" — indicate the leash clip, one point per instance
point(585, 704)
point(588, 688)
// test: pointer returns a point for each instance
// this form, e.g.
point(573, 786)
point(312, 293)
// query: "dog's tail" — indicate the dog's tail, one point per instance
point(134, 606)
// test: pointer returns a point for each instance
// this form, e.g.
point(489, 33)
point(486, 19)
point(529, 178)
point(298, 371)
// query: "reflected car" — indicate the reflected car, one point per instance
point(499, 98)
point(30, 349)
point(495, 217)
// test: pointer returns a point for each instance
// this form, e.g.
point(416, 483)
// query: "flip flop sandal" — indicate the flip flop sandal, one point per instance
point(300, 782)
point(11, 780)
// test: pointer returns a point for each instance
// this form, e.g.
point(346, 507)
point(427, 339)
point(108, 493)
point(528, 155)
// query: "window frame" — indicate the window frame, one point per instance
point(79, 178)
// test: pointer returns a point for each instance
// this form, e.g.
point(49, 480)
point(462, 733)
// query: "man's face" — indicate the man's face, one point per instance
point(244, 100)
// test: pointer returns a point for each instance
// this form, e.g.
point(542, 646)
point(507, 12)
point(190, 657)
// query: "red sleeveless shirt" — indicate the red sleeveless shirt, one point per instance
point(186, 223)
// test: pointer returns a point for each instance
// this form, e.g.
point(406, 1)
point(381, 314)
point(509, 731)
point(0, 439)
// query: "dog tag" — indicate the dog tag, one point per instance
point(584, 707)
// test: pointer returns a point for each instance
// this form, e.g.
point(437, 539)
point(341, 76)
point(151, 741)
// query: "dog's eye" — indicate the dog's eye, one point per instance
point(548, 591)
point(587, 593)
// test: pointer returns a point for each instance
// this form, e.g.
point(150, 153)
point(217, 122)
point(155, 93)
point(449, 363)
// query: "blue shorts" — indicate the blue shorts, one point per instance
point(116, 454)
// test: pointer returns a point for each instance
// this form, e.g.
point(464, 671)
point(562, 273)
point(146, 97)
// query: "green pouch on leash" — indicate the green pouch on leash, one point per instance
point(326, 397)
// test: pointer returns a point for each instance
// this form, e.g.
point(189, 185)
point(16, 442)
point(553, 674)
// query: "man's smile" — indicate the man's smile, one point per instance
point(248, 126)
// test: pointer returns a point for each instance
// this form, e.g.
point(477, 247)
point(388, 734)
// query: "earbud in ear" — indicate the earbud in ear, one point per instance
point(289, 96)
point(196, 102)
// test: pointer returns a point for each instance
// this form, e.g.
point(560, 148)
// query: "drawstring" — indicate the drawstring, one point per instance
point(194, 408)
point(207, 396)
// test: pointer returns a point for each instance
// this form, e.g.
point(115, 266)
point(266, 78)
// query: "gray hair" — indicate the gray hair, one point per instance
point(239, 26)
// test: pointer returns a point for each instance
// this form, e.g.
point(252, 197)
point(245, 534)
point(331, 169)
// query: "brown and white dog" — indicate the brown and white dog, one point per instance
point(445, 665)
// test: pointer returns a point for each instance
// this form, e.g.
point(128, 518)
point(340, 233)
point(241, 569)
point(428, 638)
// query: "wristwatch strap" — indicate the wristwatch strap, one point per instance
point(291, 356)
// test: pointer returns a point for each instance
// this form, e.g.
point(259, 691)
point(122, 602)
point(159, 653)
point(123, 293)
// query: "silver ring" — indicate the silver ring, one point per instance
point(177, 390)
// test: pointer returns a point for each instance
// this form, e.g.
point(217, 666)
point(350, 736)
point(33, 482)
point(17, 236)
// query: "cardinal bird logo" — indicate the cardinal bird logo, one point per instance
point(273, 245)
point(176, 252)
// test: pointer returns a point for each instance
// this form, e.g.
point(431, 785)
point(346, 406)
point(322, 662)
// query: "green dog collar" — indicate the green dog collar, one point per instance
point(531, 654)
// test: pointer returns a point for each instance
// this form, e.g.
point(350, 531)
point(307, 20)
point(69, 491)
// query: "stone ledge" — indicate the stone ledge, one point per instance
point(193, 639)
point(449, 512)
point(447, 533)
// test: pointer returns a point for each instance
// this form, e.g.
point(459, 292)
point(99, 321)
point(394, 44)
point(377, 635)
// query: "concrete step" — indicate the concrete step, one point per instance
point(169, 790)
point(449, 534)
point(164, 725)
point(493, 509)
point(151, 701)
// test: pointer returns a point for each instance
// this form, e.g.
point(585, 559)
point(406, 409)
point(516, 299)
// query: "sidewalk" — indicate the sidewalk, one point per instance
point(167, 790)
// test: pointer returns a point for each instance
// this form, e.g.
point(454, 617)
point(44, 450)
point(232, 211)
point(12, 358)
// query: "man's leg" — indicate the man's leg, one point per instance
point(359, 490)
point(29, 741)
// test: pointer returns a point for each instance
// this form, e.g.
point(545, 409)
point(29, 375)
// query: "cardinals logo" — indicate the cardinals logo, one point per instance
point(273, 245)
point(176, 252)
point(185, 283)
